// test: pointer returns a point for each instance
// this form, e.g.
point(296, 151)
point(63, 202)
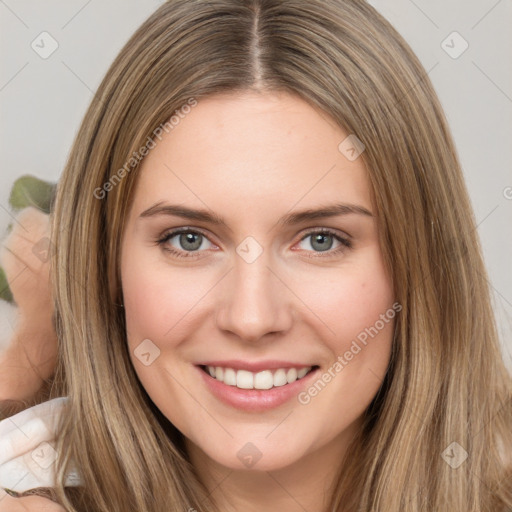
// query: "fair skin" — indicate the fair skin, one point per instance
point(30, 357)
point(278, 307)
point(252, 159)
point(27, 504)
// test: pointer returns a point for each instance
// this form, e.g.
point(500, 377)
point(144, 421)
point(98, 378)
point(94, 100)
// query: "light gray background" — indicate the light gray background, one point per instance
point(42, 101)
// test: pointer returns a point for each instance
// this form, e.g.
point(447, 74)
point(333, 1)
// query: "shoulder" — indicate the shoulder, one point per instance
point(27, 447)
point(31, 503)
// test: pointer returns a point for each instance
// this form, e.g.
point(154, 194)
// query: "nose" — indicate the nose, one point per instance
point(254, 301)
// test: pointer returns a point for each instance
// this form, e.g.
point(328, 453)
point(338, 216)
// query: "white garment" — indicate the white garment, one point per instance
point(27, 454)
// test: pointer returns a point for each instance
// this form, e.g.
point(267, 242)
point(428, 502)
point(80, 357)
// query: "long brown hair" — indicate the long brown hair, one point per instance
point(446, 382)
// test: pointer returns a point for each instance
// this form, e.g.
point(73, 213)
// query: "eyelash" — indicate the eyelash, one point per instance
point(345, 243)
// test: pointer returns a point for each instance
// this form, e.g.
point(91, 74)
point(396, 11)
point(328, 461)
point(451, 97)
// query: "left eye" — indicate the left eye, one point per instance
point(321, 241)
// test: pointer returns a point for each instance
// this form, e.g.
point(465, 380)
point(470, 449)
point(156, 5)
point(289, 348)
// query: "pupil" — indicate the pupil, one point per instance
point(188, 238)
point(318, 239)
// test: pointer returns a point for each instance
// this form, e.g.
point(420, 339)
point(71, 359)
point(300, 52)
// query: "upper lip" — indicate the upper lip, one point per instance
point(255, 366)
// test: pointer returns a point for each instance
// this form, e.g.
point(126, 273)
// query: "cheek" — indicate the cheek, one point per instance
point(353, 301)
point(360, 312)
point(157, 298)
point(146, 304)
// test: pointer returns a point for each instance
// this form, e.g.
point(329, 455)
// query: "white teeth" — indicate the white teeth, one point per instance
point(280, 377)
point(265, 379)
point(230, 377)
point(302, 372)
point(291, 375)
point(244, 379)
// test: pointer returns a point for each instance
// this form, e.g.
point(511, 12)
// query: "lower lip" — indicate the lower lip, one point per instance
point(255, 400)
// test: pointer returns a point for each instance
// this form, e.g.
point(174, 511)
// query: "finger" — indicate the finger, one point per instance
point(24, 253)
point(31, 227)
point(30, 216)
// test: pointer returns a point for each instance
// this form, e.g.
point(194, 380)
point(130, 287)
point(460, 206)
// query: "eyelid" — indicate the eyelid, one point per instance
point(325, 229)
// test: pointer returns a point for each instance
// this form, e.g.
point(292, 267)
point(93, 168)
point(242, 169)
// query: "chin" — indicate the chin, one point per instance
point(255, 455)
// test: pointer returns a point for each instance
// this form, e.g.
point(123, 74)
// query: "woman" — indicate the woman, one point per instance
point(326, 342)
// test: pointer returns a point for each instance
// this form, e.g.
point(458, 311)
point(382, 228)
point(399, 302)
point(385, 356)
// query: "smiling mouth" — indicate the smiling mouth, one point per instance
point(263, 380)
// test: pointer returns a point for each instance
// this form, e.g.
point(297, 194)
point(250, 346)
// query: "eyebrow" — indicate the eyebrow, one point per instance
point(289, 219)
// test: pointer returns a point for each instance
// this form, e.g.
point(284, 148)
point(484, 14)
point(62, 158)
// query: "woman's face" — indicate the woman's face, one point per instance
point(227, 268)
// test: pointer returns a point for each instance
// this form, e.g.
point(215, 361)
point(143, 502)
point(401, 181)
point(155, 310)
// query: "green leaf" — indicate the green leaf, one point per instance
point(31, 191)
point(5, 291)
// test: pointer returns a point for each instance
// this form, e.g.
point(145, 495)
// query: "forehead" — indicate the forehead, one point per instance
point(252, 153)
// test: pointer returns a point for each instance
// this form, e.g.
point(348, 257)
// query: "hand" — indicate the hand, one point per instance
point(31, 355)
point(26, 261)
point(28, 504)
